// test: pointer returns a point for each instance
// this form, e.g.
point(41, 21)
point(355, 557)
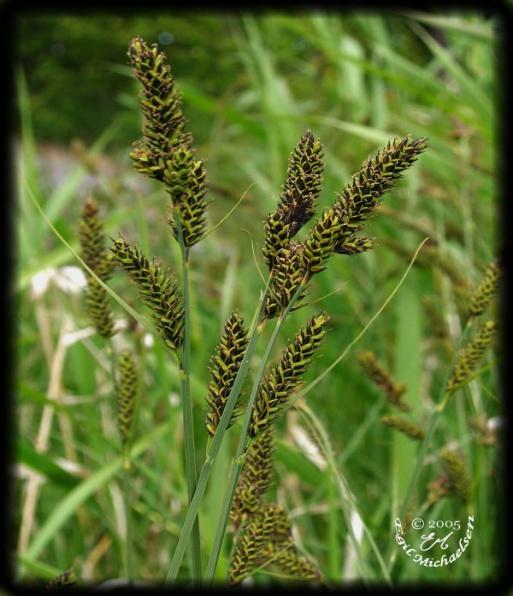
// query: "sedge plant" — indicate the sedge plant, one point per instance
point(263, 535)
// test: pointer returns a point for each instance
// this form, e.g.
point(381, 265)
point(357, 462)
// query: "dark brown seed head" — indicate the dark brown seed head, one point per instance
point(158, 291)
point(224, 366)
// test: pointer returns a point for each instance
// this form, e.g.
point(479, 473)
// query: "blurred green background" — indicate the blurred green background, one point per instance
point(252, 84)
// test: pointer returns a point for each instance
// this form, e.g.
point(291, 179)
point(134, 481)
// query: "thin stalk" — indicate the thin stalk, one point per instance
point(215, 445)
point(127, 547)
point(128, 518)
point(239, 455)
point(191, 472)
point(433, 421)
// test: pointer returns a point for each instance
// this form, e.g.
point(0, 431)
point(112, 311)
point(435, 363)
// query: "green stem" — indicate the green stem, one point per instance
point(216, 443)
point(239, 459)
point(127, 547)
point(128, 517)
point(191, 472)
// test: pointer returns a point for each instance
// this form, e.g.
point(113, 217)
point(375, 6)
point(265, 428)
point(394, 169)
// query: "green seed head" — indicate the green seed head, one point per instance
point(97, 257)
point(458, 479)
point(126, 393)
point(157, 290)
point(382, 379)
point(404, 426)
point(471, 355)
point(485, 291)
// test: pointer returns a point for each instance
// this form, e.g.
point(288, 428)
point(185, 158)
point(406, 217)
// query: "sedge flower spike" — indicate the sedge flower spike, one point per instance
point(298, 198)
point(126, 393)
point(471, 355)
point(278, 384)
point(157, 290)
point(164, 151)
point(97, 257)
point(224, 366)
point(485, 291)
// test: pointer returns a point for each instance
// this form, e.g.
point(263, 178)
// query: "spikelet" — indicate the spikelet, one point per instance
point(184, 177)
point(282, 379)
point(458, 478)
point(161, 104)
point(322, 240)
point(403, 425)
point(158, 291)
point(471, 355)
point(62, 581)
point(286, 559)
point(298, 198)
point(437, 489)
point(254, 479)
point(379, 376)
point(288, 274)
point(365, 192)
point(127, 387)
point(251, 539)
point(164, 152)
point(485, 290)
point(224, 366)
point(97, 258)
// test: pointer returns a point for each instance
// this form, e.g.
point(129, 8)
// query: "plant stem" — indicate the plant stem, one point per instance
point(215, 445)
point(239, 455)
point(128, 517)
point(188, 419)
point(128, 558)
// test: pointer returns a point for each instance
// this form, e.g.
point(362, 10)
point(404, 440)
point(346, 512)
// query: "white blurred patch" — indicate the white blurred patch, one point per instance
point(495, 423)
point(148, 340)
point(350, 571)
point(174, 399)
point(39, 282)
point(71, 338)
point(70, 280)
point(310, 449)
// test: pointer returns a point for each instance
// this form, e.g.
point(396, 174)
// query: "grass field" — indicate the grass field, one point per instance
point(355, 80)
